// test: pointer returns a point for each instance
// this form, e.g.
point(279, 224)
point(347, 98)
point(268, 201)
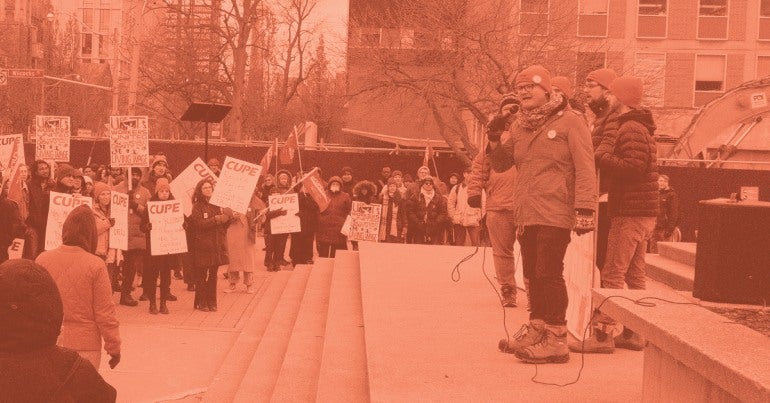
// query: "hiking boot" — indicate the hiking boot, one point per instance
point(600, 342)
point(508, 296)
point(153, 307)
point(171, 297)
point(528, 335)
point(630, 340)
point(552, 347)
point(127, 300)
point(163, 307)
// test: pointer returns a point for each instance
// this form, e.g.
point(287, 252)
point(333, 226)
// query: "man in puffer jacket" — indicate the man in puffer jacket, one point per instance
point(630, 163)
point(81, 276)
point(34, 369)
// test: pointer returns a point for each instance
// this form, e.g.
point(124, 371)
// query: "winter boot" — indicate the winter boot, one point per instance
point(163, 307)
point(630, 340)
point(127, 300)
point(169, 295)
point(552, 347)
point(600, 342)
point(528, 335)
point(508, 296)
point(153, 307)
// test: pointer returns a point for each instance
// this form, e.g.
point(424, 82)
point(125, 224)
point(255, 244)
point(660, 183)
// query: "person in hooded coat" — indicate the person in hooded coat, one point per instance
point(207, 228)
point(35, 369)
point(158, 266)
point(81, 276)
point(328, 238)
point(365, 192)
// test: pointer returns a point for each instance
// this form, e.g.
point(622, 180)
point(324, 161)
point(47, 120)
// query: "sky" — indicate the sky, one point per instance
point(332, 16)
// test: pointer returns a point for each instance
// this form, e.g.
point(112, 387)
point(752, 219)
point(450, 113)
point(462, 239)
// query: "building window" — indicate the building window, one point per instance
point(651, 68)
point(86, 47)
point(763, 66)
point(764, 20)
point(364, 37)
point(88, 19)
point(533, 17)
point(712, 19)
point(652, 20)
point(588, 62)
point(104, 20)
point(709, 77)
point(593, 16)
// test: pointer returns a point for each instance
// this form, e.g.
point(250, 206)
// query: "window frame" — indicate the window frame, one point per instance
point(606, 21)
point(726, 17)
point(547, 19)
point(695, 76)
point(760, 17)
point(664, 16)
point(756, 65)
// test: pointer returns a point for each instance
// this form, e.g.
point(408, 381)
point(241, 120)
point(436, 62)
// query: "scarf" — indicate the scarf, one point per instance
point(532, 119)
point(428, 196)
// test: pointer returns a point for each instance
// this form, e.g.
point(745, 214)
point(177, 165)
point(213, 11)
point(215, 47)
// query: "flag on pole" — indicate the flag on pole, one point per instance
point(315, 186)
point(290, 147)
point(268, 157)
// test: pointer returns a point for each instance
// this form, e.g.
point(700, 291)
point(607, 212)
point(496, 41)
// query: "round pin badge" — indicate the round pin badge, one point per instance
point(551, 134)
point(536, 79)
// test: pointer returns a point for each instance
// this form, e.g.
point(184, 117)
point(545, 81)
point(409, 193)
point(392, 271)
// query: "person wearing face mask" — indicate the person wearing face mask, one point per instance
point(329, 239)
point(347, 180)
point(555, 194)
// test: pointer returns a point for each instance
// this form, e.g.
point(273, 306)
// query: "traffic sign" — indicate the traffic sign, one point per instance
point(25, 73)
point(3, 78)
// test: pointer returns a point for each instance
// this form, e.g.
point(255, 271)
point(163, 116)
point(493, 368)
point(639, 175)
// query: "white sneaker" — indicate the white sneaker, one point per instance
point(230, 289)
point(249, 290)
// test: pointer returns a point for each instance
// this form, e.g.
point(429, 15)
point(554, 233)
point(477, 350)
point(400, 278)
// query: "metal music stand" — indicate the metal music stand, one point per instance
point(207, 112)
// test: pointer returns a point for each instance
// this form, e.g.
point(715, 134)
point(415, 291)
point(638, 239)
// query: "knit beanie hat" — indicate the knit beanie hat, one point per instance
point(158, 159)
point(348, 170)
point(535, 75)
point(100, 187)
point(64, 170)
point(563, 84)
point(162, 184)
point(334, 179)
point(31, 309)
point(628, 90)
point(396, 173)
point(602, 77)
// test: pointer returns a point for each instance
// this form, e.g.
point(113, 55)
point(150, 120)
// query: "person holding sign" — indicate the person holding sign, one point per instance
point(11, 225)
point(207, 232)
point(158, 265)
point(276, 243)
point(242, 244)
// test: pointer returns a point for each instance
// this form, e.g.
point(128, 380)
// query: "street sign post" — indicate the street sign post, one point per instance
point(24, 73)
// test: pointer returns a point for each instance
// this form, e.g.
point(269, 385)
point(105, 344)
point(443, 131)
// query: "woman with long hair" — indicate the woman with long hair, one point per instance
point(208, 244)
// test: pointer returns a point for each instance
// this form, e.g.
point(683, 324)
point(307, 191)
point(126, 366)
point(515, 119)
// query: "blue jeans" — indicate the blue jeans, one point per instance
point(626, 247)
point(502, 235)
point(542, 252)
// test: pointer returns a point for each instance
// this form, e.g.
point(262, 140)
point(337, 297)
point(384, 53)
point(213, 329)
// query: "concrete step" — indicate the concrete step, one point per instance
point(298, 378)
point(343, 376)
point(682, 252)
point(673, 273)
point(228, 378)
point(259, 378)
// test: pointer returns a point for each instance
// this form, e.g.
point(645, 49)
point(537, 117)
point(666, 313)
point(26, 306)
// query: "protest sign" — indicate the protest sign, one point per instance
point(16, 249)
point(236, 184)
point(167, 235)
point(365, 222)
point(11, 154)
point(286, 223)
point(183, 186)
point(119, 211)
point(316, 188)
point(52, 135)
point(129, 141)
point(60, 206)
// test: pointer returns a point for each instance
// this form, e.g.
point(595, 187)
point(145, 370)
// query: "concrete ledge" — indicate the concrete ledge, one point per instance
point(676, 275)
point(694, 354)
point(682, 252)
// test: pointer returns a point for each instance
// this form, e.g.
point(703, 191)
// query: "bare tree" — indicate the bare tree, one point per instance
point(461, 56)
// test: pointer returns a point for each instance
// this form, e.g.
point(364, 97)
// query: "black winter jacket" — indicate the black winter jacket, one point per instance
point(629, 162)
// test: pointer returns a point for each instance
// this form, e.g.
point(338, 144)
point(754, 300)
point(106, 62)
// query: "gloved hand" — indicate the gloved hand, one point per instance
point(496, 127)
point(584, 221)
point(114, 360)
point(228, 211)
point(112, 222)
point(474, 201)
point(221, 218)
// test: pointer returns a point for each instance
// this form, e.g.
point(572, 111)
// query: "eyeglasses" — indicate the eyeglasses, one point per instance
point(591, 84)
point(524, 88)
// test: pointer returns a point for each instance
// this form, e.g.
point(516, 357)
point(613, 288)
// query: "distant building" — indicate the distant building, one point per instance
point(688, 52)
